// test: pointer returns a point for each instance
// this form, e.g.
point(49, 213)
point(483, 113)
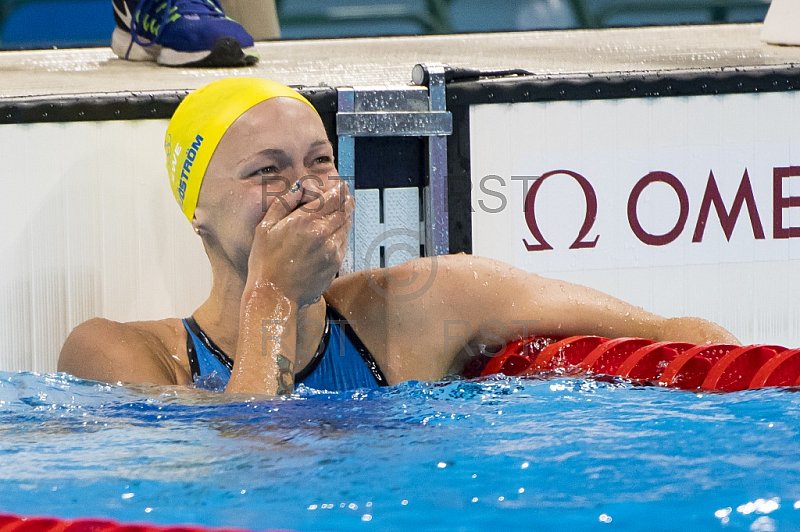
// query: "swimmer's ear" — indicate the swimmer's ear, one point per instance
point(198, 221)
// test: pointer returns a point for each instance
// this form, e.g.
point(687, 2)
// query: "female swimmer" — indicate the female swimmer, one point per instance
point(274, 219)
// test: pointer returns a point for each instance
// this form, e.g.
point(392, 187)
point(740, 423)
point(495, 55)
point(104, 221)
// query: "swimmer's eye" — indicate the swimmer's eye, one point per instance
point(268, 170)
point(325, 159)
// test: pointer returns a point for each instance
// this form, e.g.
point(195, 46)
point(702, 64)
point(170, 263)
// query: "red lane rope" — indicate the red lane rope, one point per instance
point(781, 370)
point(689, 369)
point(15, 523)
point(720, 367)
point(650, 361)
point(564, 353)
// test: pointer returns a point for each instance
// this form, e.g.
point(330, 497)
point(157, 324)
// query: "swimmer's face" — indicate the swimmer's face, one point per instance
point(269, 148)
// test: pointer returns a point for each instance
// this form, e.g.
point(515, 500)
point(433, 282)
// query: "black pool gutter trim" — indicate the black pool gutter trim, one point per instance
point(99, 107)
point(616, 85)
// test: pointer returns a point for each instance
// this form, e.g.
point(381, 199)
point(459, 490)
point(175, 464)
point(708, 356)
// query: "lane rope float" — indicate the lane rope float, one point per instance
point(717, 367)
point(16, 523)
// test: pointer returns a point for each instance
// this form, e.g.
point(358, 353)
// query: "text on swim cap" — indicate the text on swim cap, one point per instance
point(191, 154)
point(175, 155)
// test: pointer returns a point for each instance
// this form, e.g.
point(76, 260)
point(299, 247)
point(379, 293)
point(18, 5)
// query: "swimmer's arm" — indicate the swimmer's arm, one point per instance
point(108, 351)
point(265, 352)
point(564, 309)
point(551, 306)
point(475, 300)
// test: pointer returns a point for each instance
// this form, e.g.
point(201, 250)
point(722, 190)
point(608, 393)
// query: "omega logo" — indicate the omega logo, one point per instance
point(712, 197)
point(588, 221)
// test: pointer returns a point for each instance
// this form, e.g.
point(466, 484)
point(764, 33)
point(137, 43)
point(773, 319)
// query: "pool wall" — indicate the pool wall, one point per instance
point(91, 230)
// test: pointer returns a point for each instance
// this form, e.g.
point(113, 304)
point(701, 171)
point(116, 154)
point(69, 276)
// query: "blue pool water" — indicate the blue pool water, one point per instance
point(564, 454)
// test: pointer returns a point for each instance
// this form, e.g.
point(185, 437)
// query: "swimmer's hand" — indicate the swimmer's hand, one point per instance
point(300, 249)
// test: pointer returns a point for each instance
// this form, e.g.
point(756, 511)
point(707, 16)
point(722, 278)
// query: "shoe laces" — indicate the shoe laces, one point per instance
point(170, 10)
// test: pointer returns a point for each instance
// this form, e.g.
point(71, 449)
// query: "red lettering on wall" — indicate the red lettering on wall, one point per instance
point(781, 202)
point(726, 220)
point(633, 217)
point(588, 221)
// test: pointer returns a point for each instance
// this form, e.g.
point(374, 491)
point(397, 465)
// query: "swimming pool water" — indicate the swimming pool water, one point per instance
point(502, 453)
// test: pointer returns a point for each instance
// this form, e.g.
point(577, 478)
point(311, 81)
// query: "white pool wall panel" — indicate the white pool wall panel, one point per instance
point(90, 229)
point(749, 285)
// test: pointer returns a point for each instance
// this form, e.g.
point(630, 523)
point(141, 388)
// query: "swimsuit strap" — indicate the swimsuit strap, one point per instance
point(302, 375)
point(359, 346)
point(191, 352)
point(208, 343)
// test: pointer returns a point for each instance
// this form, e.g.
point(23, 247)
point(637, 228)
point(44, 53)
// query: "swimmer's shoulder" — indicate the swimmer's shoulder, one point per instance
point(407, 314)
point(397, 313)
point(135, 352)
point(352, 296)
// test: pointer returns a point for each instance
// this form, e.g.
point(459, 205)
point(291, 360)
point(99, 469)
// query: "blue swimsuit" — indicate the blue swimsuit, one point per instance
point(341, 361)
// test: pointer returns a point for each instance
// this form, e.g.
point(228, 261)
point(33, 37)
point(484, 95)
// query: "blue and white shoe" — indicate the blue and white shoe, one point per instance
point(192, 33)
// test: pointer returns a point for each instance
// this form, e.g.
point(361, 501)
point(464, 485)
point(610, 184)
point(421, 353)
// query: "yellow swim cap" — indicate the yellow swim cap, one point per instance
point(199, 123)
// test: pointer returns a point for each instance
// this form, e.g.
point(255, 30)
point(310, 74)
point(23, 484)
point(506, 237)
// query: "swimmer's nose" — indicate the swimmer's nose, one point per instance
point(311, 190)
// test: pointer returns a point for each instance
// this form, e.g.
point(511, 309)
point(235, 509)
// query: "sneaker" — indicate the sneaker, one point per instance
point(180, 33)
